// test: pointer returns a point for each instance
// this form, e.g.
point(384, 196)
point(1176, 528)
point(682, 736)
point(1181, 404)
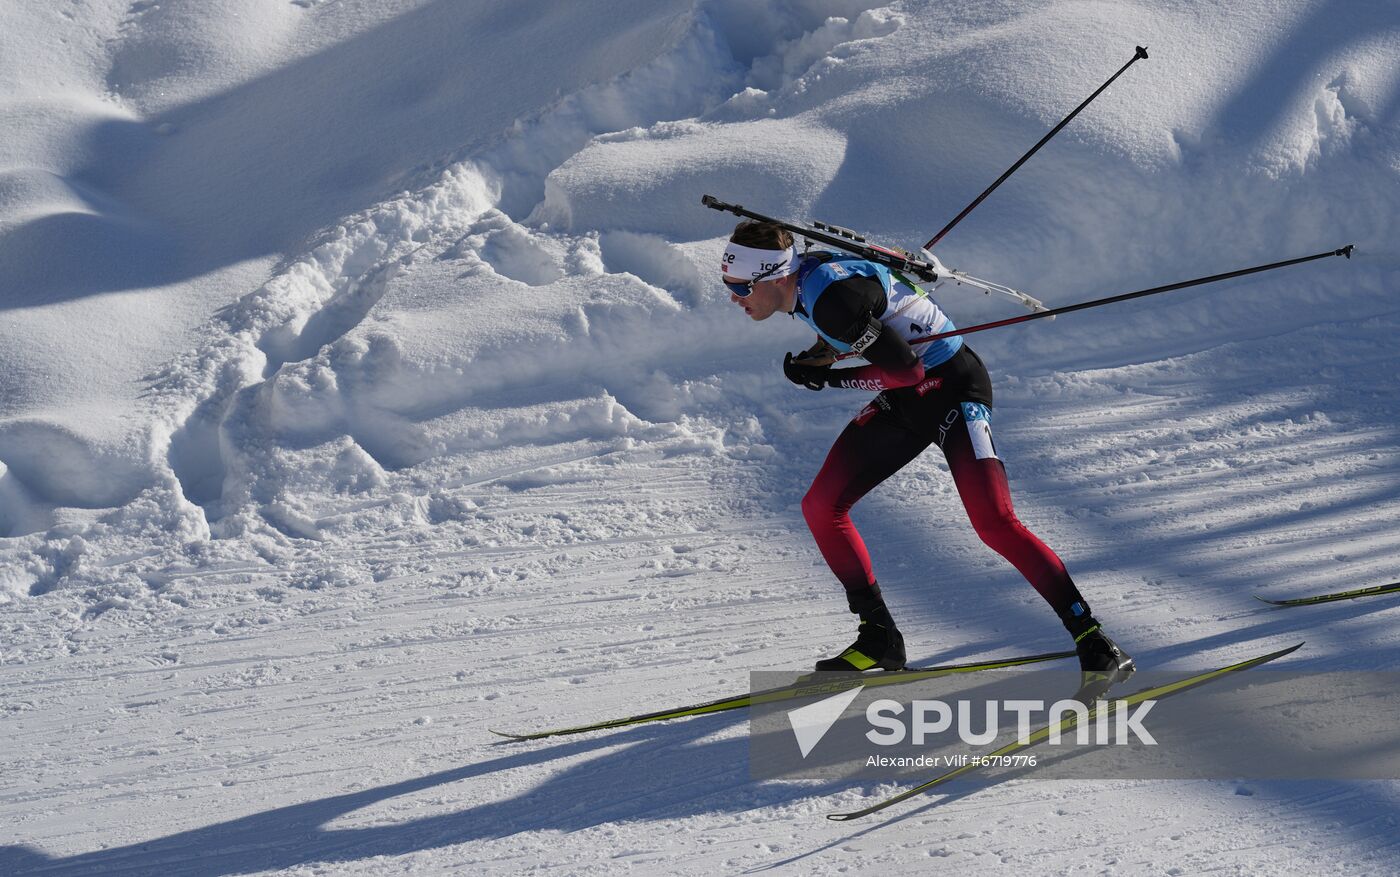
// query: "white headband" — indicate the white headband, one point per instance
point(743, 263)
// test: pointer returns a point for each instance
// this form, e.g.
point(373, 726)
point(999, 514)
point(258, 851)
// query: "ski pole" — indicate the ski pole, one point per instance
point(1011, 321)
point(1141, 53)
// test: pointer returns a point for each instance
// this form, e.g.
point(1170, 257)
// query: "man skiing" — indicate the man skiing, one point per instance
point(936, 392)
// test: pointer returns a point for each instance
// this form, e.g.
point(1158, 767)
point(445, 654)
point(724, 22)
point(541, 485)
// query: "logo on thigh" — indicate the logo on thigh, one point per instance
point(978, 418)
point(947, 424)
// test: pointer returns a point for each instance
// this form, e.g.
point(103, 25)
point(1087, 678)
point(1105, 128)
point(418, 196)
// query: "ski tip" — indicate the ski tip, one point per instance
point(508, 735)
point(1270, 602)
point(843, 817)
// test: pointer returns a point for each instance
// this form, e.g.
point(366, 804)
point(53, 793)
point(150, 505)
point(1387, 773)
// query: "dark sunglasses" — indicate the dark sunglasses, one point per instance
point(744, 290)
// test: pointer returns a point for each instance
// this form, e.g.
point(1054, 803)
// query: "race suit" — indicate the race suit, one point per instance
point(931, 393)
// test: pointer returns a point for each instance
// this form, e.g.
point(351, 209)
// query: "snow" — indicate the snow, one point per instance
point(364, 385)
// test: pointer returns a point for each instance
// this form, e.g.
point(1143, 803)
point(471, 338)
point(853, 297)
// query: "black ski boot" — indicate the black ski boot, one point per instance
point(1102, 663)
point(879, 645)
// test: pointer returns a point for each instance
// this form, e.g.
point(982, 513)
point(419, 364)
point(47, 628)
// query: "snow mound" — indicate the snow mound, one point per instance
point(652, 181)
point(558, 264)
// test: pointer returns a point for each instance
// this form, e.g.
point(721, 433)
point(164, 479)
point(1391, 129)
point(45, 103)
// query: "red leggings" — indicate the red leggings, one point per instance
point(877, 444)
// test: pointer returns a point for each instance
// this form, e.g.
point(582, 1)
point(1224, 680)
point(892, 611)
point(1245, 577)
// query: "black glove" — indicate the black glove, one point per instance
point(813, 377)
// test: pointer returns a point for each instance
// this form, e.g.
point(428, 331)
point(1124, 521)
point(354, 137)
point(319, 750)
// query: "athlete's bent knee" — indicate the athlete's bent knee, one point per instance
point(1001, 534)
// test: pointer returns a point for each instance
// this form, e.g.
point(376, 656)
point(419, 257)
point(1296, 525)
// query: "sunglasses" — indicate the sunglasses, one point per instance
point(744, 290)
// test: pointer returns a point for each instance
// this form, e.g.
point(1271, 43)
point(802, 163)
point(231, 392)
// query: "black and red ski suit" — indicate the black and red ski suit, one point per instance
point(947, 404)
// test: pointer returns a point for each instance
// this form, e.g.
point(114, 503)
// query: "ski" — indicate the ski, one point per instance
point(1392, 588)
point(801, 688)
point(1157, 692)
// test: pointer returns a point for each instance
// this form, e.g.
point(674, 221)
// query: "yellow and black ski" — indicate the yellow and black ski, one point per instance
point(1392, 588)
point(802, 688)
point(1157, 692)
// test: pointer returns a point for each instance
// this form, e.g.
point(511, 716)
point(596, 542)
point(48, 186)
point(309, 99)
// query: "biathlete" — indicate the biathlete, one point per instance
point(936, 392)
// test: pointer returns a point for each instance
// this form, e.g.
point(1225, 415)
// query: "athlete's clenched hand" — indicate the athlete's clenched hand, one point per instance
point(813, 377)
